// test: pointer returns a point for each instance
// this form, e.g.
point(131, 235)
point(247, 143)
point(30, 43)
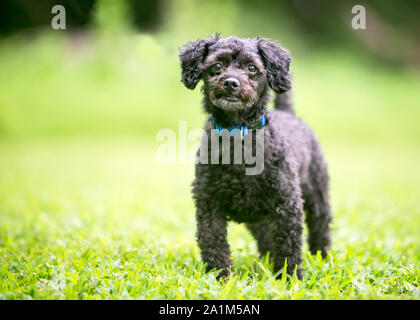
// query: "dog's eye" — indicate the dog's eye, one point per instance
point(216, 67)
point(252, 68)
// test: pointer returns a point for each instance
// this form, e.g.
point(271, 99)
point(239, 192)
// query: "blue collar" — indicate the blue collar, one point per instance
point(240, 129)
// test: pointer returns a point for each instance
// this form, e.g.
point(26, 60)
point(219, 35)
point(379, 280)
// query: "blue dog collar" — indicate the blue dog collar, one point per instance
point(240, 129)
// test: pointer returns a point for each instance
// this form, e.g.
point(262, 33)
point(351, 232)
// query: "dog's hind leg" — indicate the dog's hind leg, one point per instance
point(262, 233)
point(317, 207)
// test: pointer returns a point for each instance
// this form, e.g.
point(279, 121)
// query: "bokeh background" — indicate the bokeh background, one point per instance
point(85, 209)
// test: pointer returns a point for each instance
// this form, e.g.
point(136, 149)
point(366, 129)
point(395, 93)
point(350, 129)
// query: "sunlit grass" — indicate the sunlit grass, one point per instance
point(104, 220)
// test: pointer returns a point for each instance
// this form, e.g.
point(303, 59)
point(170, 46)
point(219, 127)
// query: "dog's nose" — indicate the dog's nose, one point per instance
point(231, 83)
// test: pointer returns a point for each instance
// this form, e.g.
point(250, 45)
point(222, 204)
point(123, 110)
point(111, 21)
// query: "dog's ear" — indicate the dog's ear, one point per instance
point(277, 62)
point(191, 56)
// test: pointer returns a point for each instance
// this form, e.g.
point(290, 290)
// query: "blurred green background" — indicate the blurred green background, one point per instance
point(112, 79)
point(80, 109)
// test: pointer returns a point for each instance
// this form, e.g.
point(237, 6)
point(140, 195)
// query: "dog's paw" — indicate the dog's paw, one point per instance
point(223, 275)
point(299, 273)
point(291, 271)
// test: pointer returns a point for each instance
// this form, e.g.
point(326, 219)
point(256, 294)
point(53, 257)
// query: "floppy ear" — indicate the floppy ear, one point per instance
point(277, 62)
point(191, 56)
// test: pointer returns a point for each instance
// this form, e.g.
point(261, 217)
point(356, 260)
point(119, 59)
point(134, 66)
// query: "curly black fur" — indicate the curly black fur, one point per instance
point(295, 174)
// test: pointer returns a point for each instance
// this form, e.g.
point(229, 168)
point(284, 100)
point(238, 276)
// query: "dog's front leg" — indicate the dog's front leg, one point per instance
point(287, 237)
point(212, 240)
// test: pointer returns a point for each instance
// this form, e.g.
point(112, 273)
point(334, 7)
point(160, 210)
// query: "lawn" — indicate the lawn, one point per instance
point(86, 212)
point(103, 220)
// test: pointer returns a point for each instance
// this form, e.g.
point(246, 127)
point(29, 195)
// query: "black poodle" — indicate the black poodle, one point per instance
point(238, 74)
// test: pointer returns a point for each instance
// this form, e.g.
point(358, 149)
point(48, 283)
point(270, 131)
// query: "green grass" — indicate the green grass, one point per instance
point(86, 211)
point(102, 220)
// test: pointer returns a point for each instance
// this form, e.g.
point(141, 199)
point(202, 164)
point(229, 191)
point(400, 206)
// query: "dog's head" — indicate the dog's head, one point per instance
point(236, 72)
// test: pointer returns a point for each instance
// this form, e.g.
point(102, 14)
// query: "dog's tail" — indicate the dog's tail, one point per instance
point(283, 101)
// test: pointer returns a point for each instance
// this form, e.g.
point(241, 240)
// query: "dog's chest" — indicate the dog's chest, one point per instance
point(243, 195)
point(240, 197)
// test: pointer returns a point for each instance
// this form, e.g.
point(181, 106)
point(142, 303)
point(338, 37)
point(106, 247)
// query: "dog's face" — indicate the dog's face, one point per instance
point(236, 72)
point(233, 77)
